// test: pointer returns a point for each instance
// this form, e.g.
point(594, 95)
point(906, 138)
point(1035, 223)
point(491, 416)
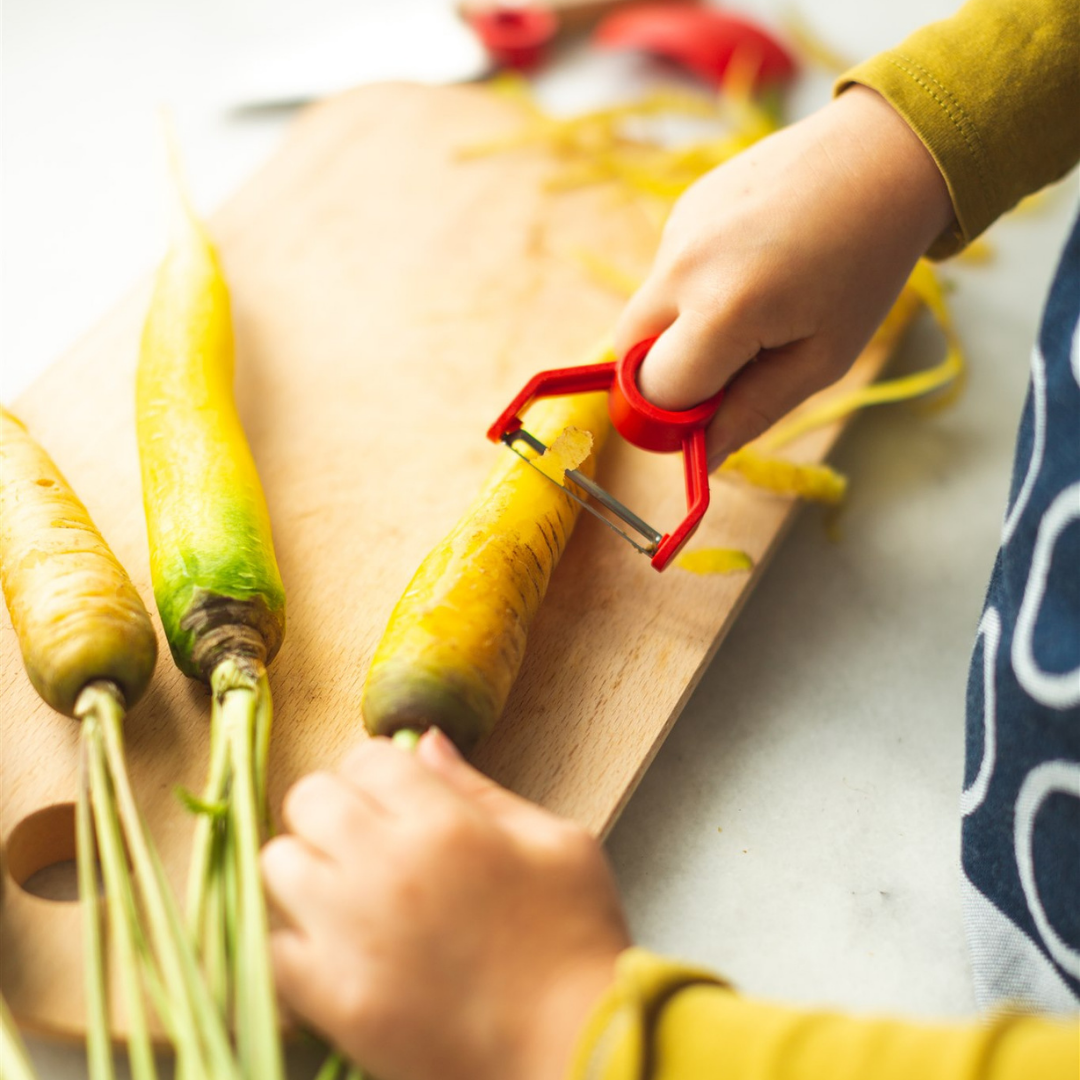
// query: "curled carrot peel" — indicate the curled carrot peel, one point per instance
point(812, 46)
point(606, 145)
point(567, 451)
point(947, 376)
point(978, 253)
point(714, 561)
point(814, 483)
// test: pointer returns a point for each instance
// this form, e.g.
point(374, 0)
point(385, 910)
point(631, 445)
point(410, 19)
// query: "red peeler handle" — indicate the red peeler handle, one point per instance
point(639, 422)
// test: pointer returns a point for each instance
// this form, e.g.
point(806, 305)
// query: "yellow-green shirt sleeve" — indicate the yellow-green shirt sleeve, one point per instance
point(662, 1020)
point(994, 95)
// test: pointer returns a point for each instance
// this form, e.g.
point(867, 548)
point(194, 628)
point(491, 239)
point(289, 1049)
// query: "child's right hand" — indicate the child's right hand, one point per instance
point(789, 255)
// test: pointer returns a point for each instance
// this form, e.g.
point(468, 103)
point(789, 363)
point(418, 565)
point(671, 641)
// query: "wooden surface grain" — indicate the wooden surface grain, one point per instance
point(389, 299)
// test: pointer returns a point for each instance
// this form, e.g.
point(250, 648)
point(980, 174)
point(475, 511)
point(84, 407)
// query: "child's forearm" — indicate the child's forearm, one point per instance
point(664, 1021)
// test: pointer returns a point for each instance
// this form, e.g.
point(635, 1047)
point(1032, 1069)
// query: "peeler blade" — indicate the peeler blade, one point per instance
point(649, 538)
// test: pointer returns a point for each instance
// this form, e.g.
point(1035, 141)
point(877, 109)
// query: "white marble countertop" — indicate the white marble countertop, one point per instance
point(799, 830)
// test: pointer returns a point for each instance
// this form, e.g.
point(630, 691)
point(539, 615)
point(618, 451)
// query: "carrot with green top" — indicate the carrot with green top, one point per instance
point(89, 649)
point(222, 604)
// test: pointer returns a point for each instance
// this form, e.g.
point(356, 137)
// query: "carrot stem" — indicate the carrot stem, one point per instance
point(119, 902)
point(201, 1038)
point(14, 1060)
point(331, 1067)
point(336, 1065)
point(99, 1060)
point(406, 738)
point(214, 933)
point(207, 835)
point(242, 710)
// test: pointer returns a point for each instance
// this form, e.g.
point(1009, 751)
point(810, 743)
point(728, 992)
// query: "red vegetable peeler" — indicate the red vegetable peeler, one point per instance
point(639, 422)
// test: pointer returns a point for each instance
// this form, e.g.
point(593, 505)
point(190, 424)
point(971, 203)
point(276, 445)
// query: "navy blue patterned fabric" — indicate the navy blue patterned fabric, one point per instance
point(1021, 798)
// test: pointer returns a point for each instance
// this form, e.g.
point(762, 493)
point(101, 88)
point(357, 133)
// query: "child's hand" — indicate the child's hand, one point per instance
point(435, 924)
point(791, 255)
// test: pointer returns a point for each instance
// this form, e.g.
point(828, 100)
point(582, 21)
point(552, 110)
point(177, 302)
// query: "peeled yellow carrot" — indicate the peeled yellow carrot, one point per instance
point(456, 638)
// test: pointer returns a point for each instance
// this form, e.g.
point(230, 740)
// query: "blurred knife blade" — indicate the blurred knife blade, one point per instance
point(424, 42)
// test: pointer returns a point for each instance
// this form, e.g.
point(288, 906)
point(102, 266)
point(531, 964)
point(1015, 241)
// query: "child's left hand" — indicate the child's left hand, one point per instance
point(435, 925)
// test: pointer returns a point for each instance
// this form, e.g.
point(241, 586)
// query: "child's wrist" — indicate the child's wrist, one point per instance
point(911, 190)
point(559, 1015)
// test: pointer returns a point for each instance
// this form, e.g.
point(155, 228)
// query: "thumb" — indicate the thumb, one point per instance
point(441, 756)
point(696, 351)
point(692, 359)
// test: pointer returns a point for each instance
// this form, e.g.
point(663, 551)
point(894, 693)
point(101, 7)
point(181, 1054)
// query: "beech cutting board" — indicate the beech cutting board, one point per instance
point(389, 299)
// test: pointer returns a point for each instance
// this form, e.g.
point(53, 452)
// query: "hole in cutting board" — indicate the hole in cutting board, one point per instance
point(40, 853)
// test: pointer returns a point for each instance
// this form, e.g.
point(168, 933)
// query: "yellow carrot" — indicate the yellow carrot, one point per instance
point(89, 649)
point(456, 638)
point(215, 576)
point(222, 604)
point(77, 615)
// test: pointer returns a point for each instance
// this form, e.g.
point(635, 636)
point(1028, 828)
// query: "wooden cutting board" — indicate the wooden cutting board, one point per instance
point(389, 299)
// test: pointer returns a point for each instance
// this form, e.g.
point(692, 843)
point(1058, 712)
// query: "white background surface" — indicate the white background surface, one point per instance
point(799, 831)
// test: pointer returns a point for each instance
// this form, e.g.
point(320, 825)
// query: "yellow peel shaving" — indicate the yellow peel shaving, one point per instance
point(811, 45)
point(606, 273)
point(595, 147)
point(1036, 201)
point(714, 561)
point(514, 87)
point(978, 253)
point(567, 451)
point(946, 375)
point(816, 483)
point(590, 131)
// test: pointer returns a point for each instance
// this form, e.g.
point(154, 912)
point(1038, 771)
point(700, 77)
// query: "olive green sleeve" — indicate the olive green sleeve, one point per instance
point(994, 95)
point(664, 1021)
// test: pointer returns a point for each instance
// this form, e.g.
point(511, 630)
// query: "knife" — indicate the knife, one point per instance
point(432, 42)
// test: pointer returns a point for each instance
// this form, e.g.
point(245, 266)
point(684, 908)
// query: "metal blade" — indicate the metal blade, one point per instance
point(423, 41)
point(651, 536)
